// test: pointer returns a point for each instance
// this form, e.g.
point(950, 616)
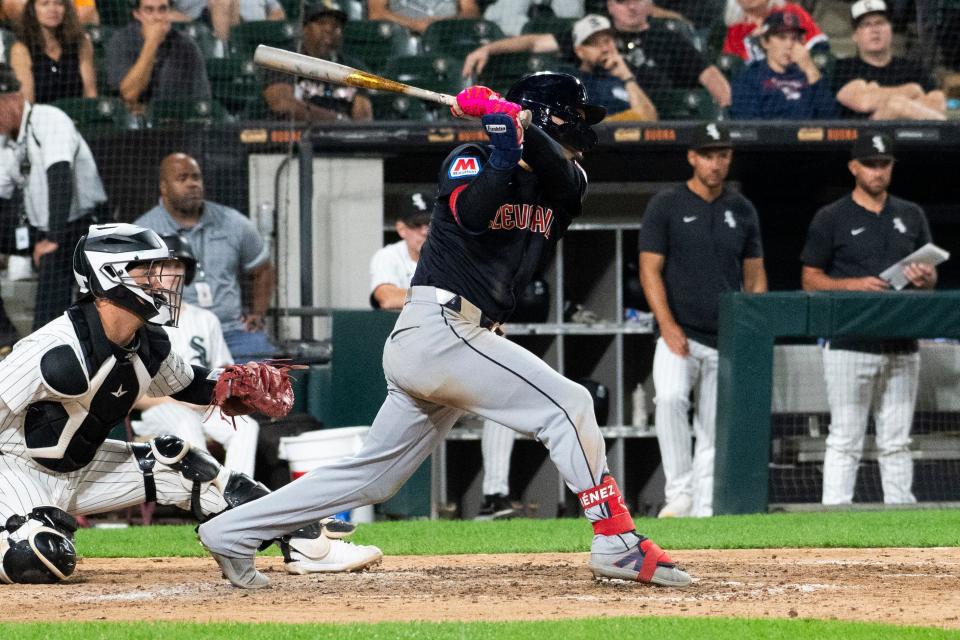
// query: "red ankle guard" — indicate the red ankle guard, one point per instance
point(607, 492)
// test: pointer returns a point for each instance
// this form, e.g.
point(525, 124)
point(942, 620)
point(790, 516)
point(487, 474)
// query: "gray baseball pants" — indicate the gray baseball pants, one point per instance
point(439, 363)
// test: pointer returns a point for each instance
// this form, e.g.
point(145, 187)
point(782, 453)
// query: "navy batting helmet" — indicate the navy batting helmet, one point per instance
point(548, 94)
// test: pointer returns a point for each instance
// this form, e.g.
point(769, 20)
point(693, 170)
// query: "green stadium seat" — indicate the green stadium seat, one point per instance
point(292, 9)
point(825, 61)
point(685, 104)
point(114, 13)
point(392, 106)
point(505, 69)
point(556, 26)
point(235, 84)
point(434, 73)
point(207, 112)
point(96, 113)
point(459, 37)
point(202, 36)
point(245, 37)
point(375, 42)
point(730, 64)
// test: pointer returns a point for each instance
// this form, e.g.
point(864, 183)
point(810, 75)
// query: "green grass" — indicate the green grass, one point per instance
point(588, 629)
point(798, 530)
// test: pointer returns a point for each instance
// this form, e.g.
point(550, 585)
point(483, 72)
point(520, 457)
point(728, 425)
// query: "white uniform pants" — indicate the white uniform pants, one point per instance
point(497, 446)
point(188, 423)
point(855, 381)
point(689, 476)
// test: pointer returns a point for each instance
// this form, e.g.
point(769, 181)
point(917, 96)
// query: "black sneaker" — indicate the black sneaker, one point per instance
point(497, 507)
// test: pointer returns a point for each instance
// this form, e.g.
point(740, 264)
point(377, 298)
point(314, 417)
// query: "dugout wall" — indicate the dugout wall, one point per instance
point(749, 326)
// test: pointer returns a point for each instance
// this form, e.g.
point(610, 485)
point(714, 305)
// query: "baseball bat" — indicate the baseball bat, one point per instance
point(326, 71)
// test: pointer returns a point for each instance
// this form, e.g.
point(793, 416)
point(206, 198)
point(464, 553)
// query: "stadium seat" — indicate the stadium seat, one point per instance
point(730, 64)
point(245, 37)
point(686, 104)
point(505, 69)
point(161, 112)
point(459, 37)
point(435, 73)
point(202, 36)
point(375, 42)
point(292, 9)
point(825, 61)
point(90, 114)
point(392, 106)
point(235, 84)
point(114, 13)
point(556, 26)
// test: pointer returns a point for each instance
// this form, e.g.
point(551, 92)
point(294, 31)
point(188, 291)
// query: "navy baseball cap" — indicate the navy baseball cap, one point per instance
point(781, 22)
point(323, 8)
point(872, 145)
point(415, 209)
point(710, 135)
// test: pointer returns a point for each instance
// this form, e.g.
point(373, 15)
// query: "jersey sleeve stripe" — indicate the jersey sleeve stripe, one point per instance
point(453, 201)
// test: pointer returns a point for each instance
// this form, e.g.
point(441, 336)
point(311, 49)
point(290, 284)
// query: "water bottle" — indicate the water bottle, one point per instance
point(639, 398)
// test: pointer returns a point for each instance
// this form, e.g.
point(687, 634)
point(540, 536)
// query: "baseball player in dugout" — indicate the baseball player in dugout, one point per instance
point(698, 240)
point(499, 208)
point(849, 243)
point(65, 386)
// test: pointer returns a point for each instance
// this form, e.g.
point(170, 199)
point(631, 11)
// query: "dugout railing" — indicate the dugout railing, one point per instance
point(750, 325)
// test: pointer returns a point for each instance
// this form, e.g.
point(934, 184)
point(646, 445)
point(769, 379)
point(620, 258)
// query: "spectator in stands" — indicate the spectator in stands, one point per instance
point(786, 84)
point(511, 15)
point(223, 14)
point(877, 84)
point(198, 339)
point(229, 250)
point(848, 244)
point(604, 73)
point(744, 20)
point(312, 100)
point(660, 58)
point(391, 270)
point(417, 15)
point(147, 60)
point(86, 10)
point(53, 57)
point(698, 241)
point(51, 165)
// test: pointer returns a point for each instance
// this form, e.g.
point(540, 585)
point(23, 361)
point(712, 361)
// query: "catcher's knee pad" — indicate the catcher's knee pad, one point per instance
point(38, 548)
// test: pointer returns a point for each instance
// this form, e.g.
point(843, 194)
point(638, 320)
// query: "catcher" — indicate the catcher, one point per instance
point(64, 387)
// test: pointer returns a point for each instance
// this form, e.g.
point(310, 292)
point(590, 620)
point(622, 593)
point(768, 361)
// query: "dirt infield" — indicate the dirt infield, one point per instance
point(901, 586)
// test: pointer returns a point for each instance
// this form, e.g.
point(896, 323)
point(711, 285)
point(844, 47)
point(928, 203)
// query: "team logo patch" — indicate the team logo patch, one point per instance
point(464, 166)
point(496, 128)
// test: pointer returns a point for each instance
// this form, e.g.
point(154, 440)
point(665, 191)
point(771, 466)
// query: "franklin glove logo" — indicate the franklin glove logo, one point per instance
point(496, 128)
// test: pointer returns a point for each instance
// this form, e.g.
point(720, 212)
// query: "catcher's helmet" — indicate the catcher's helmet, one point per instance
point(104, 259)
point(181, 249)
point(548, 94)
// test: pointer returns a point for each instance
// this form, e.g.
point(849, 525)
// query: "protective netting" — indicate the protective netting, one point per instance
point(871, 397)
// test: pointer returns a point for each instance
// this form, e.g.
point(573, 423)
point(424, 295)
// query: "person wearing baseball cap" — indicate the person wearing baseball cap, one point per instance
point(786, 84)
point(307, 100)
point(877, 84)
point(392, 267)
point(698, 241)
point(849, 243)
point(744, 17)
point(605, 74)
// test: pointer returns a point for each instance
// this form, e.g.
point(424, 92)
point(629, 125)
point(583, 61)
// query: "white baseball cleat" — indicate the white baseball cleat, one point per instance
point(628, 556)
point(340, 557)
point(681, 507)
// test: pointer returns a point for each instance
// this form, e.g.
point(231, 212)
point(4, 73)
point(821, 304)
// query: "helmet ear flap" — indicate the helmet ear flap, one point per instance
point(81, 268)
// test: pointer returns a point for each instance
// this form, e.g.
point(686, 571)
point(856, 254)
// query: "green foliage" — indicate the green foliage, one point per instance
point(920, 528)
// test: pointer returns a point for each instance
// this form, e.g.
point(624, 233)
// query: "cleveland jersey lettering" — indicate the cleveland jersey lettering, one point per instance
point(523, 216)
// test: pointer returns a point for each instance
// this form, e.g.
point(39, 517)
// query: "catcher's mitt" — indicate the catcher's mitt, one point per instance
point(255, 387)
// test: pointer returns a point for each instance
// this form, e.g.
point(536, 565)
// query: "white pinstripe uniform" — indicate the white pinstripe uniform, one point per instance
point(112, 479)
point(393, 265)
point(198, 338)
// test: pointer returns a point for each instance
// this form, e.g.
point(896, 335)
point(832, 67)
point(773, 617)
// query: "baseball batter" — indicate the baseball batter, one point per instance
point(849, 243)
point(65, 386)
point(698, 240)
point(499, 208)
point(198, 338)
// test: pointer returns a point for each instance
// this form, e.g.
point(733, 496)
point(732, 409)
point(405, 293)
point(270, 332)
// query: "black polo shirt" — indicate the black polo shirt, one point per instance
point(704, 245)
point(848, 241)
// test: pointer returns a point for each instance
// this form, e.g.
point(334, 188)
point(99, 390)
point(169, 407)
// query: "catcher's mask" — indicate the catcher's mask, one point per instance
point(554, 96)
point(133, 268)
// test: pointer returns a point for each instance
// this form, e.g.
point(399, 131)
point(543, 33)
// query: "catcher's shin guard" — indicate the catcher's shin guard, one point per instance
point(607, 493)
point(38, 548)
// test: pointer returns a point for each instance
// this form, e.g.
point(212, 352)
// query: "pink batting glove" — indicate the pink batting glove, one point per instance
point(472, 101)
point(502, 106)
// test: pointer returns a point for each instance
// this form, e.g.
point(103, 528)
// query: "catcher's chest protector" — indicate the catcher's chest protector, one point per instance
point(92, 396)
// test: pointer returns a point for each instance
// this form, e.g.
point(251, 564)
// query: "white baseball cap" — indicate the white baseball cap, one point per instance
point(864, 7)
point(588, 26)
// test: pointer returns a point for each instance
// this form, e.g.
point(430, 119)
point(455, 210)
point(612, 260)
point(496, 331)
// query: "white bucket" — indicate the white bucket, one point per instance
point(313, 449)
